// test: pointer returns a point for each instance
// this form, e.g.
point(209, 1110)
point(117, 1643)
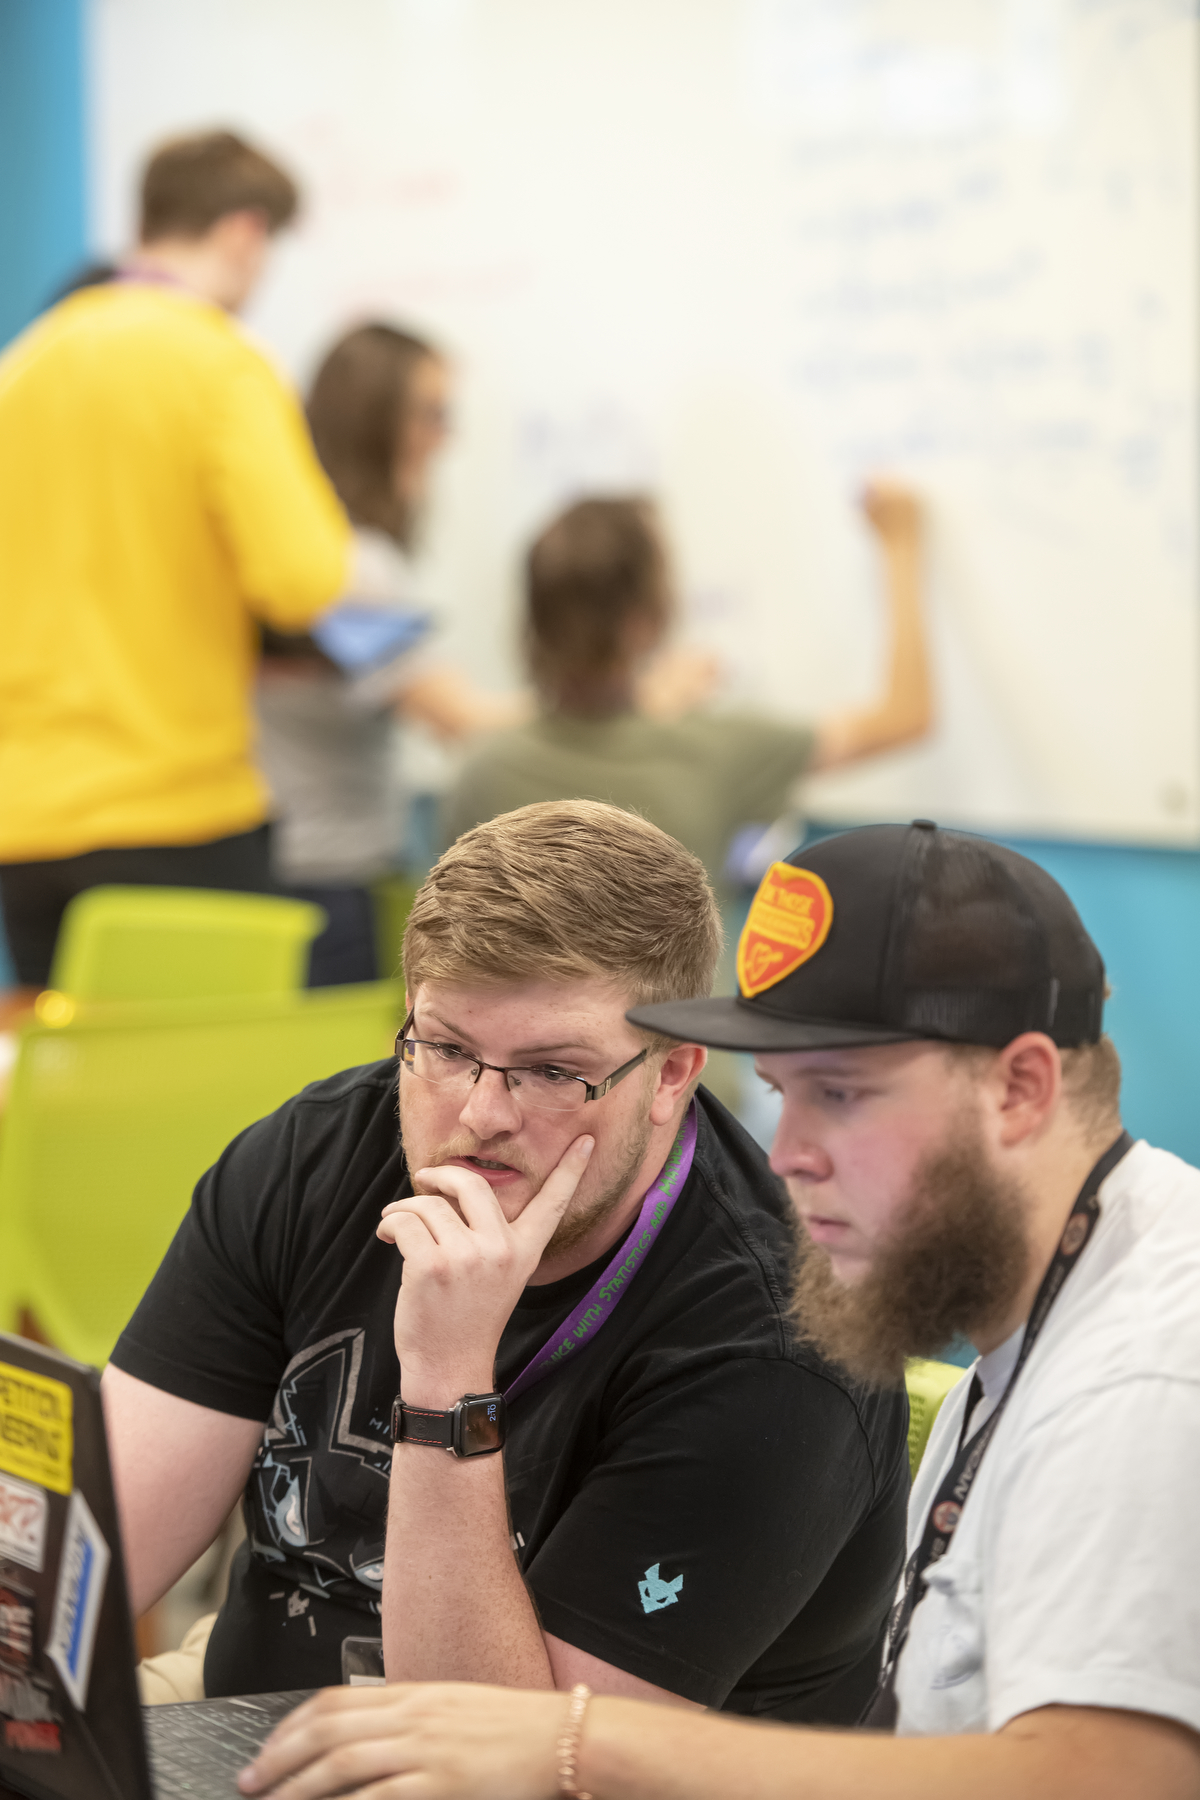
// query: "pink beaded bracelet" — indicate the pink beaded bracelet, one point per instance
point(569, 1741)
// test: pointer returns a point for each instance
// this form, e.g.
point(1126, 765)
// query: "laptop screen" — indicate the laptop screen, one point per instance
point(70, 1719)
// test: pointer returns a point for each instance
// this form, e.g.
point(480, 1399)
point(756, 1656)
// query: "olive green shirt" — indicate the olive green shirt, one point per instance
point(700, 778)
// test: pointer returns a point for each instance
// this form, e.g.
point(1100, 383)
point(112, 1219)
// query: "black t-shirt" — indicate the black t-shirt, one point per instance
point(694, 1498)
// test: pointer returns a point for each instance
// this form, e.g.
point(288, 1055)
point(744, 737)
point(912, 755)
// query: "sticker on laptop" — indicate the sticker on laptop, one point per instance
point(17, 1616)
point(27, 1711)
point(789, 920)
point(82, 1572)
point(36, 1436)
point(23, 1511)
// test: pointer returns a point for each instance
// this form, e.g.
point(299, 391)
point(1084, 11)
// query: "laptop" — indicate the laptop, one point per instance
point(71, 1724)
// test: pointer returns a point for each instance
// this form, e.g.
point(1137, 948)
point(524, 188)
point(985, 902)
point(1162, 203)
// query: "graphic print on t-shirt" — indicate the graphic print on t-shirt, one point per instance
point(682, 1438)
point(657, 1593)
point(317, 1496)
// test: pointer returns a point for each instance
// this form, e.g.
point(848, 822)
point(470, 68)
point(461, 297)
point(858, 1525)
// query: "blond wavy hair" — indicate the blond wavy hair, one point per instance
point(568, 890)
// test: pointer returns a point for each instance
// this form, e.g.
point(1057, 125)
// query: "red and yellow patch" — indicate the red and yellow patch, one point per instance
point(789, 920)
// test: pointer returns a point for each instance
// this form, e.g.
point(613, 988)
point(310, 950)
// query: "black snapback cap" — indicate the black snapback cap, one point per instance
point(895, 932)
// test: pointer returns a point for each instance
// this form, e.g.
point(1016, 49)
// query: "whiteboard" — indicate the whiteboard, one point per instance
point(742, 253)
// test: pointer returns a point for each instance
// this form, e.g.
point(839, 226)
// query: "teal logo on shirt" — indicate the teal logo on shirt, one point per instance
point(657, 1593)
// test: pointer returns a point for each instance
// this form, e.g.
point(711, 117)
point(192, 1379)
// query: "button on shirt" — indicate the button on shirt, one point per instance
point(1074, 1575)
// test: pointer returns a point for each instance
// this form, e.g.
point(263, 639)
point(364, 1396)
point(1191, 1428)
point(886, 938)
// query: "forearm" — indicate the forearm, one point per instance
point(454, 1605)
point(177, 1472)
point(1057, 1754)
point(904, 708)
point(454, 709)
point(907, 697)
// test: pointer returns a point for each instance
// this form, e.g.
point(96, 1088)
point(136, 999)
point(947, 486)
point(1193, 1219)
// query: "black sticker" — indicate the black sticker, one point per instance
point(27, 1712)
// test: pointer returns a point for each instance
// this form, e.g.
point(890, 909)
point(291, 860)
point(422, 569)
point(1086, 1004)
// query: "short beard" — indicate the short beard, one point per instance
point(954, 1264)
point(574, 1225)
point(577, 1221)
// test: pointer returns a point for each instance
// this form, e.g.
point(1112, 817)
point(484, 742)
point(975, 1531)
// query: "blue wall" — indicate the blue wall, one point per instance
point(1143, 909)
point(43, 213)
point(43, 224)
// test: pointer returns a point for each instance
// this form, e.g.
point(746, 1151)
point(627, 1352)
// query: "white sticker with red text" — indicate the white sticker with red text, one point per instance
point(23, 1512)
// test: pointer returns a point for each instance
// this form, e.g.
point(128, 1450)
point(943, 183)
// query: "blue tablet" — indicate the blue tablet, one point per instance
point(361, 638)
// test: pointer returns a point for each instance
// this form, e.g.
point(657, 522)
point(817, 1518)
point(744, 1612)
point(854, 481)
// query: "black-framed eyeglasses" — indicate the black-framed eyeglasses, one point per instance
point(543, 1084)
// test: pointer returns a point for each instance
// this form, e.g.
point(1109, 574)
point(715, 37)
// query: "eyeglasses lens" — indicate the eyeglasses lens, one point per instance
point(543, 1088)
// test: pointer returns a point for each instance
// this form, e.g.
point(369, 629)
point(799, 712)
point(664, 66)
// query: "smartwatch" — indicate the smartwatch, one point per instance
point(473, 1426)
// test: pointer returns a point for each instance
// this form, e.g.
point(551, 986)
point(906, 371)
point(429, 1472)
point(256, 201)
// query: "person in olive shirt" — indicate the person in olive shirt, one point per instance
point(599, 605)
point(158, 493)
point(600, 602)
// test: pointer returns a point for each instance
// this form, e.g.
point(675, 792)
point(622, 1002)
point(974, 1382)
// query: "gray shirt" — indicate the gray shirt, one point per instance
point(329, 761)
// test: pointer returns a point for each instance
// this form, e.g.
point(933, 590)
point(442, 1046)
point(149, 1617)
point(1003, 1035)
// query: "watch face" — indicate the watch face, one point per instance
point(481, 1425)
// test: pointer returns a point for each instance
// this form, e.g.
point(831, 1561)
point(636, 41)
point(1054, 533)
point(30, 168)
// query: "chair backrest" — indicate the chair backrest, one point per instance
point(392, 897)
point(113, 1117)
point(928, 1383)
point(159, 943)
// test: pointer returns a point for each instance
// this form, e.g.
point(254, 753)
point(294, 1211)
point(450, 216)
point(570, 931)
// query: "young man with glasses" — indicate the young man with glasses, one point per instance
point(688, 1506)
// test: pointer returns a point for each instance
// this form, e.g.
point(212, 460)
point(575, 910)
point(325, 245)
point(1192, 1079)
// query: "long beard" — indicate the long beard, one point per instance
point(954, 1263)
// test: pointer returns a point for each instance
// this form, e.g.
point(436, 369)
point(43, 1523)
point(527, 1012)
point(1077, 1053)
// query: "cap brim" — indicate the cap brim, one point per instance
point(736, 1024)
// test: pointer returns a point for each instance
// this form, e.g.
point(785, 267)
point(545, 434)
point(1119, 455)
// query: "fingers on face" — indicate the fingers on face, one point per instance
point(433, 1239)
point(434, 1212)
point(558, 1189)
point(474, 1196)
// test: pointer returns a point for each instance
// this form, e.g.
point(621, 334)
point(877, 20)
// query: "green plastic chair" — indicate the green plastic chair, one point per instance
point(114, 1116)
point(391, 898)
point(928, 1383)
point(160, 943)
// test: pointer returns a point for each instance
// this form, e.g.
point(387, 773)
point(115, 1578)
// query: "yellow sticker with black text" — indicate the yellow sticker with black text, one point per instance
point(37, 1439)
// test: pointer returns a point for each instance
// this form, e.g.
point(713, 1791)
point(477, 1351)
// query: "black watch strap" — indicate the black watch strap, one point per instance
point(473, 1426)
point(417, 1425)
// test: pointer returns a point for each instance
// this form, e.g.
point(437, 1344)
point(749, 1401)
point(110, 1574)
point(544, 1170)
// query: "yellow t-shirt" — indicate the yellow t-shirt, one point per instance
point(158, 492)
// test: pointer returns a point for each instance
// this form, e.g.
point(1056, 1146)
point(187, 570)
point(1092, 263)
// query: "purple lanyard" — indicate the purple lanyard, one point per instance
point(150, 278)
point(600, 1301)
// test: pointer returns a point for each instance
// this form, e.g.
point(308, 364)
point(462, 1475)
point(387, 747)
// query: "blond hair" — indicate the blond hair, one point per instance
point(1092, 1087)
point(1091, 1076)
point(567, 890)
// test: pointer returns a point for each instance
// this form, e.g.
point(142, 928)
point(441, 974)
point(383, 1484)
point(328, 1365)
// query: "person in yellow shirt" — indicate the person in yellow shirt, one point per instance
point(159, 494)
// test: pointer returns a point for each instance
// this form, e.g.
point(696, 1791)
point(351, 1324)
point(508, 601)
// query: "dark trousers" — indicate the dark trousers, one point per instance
point(34, 894)
point(345, 950)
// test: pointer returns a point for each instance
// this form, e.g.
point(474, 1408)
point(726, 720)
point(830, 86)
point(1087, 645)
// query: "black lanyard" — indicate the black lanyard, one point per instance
point(951, 1497)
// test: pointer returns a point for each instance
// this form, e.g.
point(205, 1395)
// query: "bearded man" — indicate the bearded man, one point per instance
point(929, 1007)
point(685, 1505)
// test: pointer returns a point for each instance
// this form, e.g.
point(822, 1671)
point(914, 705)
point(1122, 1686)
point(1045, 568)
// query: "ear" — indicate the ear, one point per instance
point(680, 1068)
point(1028, 1087)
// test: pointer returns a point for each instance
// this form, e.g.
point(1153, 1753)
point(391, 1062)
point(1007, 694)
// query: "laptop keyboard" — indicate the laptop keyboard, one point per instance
point(197, 1749)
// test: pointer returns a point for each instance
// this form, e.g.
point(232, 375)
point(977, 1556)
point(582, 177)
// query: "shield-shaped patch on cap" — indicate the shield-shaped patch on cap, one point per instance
point(789, 920)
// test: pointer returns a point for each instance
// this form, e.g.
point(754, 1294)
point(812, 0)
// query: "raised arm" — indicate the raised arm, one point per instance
point(453, 708)
point(904, 710)
point(178, 1468)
